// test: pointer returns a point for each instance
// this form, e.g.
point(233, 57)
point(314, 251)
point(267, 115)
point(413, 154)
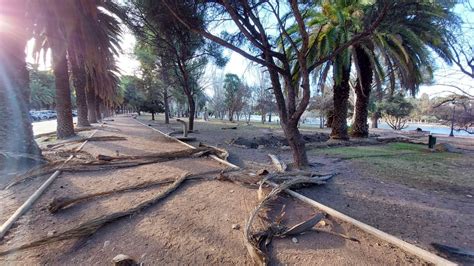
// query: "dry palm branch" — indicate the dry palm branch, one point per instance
point(109, 162)
point(258, 242)
point(89, 227)
point(58, 204)
point(98, 138)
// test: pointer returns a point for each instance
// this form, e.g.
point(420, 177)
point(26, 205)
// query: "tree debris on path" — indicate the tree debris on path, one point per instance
point(105, 162)
point(58, 204)
point(91, 226)
point(18, 156)
point(279, 165)
point(98, 138)
point(258, 242)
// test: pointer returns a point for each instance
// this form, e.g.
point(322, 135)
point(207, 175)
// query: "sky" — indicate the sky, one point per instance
point(444, 75)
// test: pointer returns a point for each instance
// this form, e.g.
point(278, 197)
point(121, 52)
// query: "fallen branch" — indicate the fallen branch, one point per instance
point(31, 200)
point(256, 243)
point(90, 227)
point(280, 165)
point(58, 204)
point(219, 152)
point(76, 130)
point(109, 162)
point(100, 138)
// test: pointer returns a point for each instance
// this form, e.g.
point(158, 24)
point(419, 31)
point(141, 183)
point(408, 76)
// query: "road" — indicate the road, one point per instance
point(47, 126)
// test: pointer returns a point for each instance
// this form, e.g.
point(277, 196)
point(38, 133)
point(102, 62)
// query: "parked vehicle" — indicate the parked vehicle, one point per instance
point(35, 116)
point(43, 115)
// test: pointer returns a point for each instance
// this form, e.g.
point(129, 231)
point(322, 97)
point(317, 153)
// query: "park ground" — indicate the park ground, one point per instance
point(401, 188)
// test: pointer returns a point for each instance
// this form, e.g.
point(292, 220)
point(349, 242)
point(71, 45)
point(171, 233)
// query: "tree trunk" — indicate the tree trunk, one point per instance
point(16, 134)
point(165, 77)
point(91, 105)
point(153, 116)
point(296, 142)
point(192, 110)
point(97, 108)
point(340, 101)
point(360, 128)
point(65, 126)
point(375, 120)
point(79, 79)
point(166, 105)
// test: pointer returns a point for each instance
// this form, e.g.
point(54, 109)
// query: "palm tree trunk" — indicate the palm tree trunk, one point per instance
point(65, 127)
point(16, 134)
point(97, 108)
point(360, 128)
point(91, 108)
point(79, 79)
point(341, 102)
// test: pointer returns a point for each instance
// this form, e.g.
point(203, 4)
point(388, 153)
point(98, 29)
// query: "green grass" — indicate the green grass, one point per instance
point(409, 164)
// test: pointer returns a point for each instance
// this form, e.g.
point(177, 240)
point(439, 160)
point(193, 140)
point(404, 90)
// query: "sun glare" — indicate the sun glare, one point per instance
point(3, 23)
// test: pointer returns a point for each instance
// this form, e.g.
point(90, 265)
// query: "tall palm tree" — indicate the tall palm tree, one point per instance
point(402, 43)
point(331, 23)
point(78, 72)
point(16, 135)
point(90, 35)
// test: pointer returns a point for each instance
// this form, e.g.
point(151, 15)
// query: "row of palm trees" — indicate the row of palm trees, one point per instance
point(83, 37)
point(398, 52)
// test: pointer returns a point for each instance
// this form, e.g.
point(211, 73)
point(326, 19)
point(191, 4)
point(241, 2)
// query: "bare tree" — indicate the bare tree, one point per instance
point(263, 25)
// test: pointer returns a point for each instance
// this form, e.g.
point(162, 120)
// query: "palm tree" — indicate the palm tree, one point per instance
point(78, 74)
point(331, 23)
point(16, 135)
point(87, 31)
point(402, 43)
point(58, 44)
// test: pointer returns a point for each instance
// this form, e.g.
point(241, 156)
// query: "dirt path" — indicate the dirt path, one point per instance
point(192, 226)
point(418, 214)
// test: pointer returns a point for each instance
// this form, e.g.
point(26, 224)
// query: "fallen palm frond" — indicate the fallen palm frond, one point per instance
point(256, 243)
point(90, 227)
point(58, 204)
point(109, 163)
point(98, 138)
point(76, 130)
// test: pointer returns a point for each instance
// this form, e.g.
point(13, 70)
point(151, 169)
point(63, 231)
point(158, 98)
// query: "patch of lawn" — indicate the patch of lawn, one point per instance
point(410, 164)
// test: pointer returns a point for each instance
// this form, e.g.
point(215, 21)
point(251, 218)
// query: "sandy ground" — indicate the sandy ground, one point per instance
point(418, 214)
point(192, 226)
